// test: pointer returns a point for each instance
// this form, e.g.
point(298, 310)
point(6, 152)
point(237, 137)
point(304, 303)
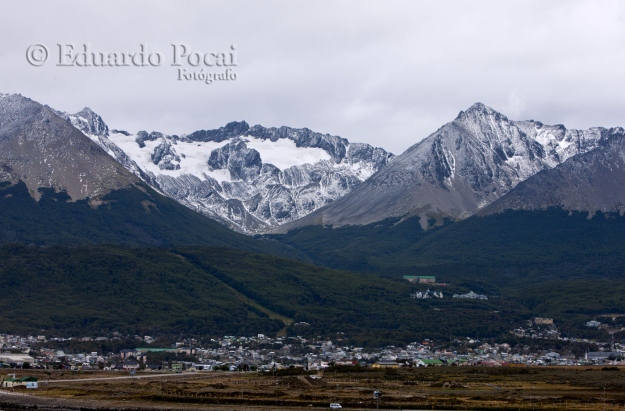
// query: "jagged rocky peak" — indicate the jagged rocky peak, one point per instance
point(164, 155)
point(93, 123)
point(143, 136)
point(359, 151)
point(44, 150)
point(231, 130)
point(480, 110)
point(15, 107)
point(241, 162)
point(86, 121)
point(589, 182)
point(465, 165)
point(336, 146)
point(250, 178)
point(303, 137)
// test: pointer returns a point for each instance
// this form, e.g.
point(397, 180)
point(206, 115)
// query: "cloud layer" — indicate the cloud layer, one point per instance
point(380, 72)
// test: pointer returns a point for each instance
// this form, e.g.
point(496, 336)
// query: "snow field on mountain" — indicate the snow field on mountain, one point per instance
point(284, 153)
point(194, 155)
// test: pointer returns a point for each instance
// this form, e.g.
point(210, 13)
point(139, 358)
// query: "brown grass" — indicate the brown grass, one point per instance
point(503, 388)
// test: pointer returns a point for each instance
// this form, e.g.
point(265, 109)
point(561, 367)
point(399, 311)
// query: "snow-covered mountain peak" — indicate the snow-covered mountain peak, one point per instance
point(42, 150)
point(87, 112)
point(250, 178)
point(230, 130)
point(465, 165)
point(15, 96)
point(86, 121)
point(480, 112)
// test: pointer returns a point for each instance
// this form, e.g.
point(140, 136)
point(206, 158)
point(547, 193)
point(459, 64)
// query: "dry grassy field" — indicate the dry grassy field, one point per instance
point(451, 388)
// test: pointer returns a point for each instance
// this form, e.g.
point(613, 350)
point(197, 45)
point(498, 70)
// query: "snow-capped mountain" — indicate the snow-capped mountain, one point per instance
point(250, 178)
point(257, 179)
point(94, 127)
point(59, 187)
point(465, 165)
point(41, 150)
point(592, 181)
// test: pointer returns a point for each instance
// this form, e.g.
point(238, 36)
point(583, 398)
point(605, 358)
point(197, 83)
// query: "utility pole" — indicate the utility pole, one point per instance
point(276, 386)
point(377, 396)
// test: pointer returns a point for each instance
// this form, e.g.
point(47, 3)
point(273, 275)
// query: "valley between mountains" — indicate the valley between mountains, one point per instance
point(252, 229)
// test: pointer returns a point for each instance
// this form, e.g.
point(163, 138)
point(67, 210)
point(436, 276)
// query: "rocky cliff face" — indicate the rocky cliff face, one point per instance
point(42, 150)
point(592, 181)
point(250, 178)
point(257, 179)
point(464, 166)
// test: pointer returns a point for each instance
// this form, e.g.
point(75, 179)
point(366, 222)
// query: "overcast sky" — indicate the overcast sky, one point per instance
point(387, 73)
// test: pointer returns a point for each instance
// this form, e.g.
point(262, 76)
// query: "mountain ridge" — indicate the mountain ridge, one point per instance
point(591, 182)
point(32, 142)
point(255, 179)
point(465, 165)
point(248, 178)
point(57, 186)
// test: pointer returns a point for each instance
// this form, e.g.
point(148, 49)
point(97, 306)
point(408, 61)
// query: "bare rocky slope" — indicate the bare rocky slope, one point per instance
point(467, 164)
point(57, 186)
point(258, 180)
point(251, 179)
point(43, 151)
point(592, 181)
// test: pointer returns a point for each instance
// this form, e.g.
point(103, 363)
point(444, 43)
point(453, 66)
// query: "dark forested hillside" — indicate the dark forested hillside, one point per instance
point(553, 241)
point(207, 291)
point(133, 216)
point(550, 262)
point(93, 290)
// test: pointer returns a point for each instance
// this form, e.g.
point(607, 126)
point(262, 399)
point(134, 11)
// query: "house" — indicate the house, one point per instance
point(543, 321)
point(186, 350)
point(177, 367)
point(429, 363)
point(148, 350)
point(422, 279)
point(593, 323)
point(16, 358)
point(8, 381)
point(130, 365)
point(126, 353)
point(426, 294)
point(603, 355)
point(386, 364)
point(471, 295)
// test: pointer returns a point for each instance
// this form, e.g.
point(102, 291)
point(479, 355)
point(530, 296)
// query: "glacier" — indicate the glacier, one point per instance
point(251, 179)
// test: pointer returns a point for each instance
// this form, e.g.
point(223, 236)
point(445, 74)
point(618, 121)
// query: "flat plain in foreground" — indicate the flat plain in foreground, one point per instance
point(450, 388)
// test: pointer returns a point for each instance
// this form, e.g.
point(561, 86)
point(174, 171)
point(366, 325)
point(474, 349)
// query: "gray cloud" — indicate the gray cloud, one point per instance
point(385, 73)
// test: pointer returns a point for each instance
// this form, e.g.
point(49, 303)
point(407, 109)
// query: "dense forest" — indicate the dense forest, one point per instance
point(143, 264)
